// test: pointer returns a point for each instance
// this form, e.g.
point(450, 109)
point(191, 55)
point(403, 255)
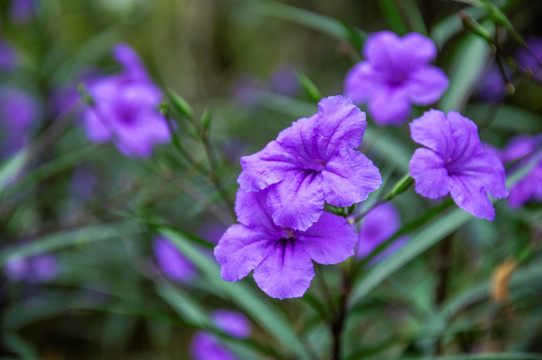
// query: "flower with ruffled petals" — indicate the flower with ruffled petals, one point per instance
point(125, 108)
point(205, 346)
point(454, 161)
point(174, 264)
point(311, 162)
point(524, 149)
point(378, 226)
point(395, 75)
point(281, 257)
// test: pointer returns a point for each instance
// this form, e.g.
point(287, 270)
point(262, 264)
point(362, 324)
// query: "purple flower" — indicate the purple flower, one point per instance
point(21, 11)
point(377, 227)
point(280, 256)
point(8, 56)
point(531, 61)
point(205, 346)
point(524, 148)
point(284, 81)
point(18, 116)
point(33, 269)
point(455, 162)
point(492, 87)
point(312, 162)
point(126, 108)
point(395, 75)
point(174, 264)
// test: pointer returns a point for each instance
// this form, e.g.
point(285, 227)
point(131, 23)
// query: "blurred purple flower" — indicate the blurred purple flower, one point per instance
point(531, 61)
point(492, 87)
point(246, 90)
point(8, 57)
point(212, 231)
point(21, 11)
point(126, 108)
point(284, 81)
point(280, 256)
point(19, 114)
point(311, 162)
point(454, 161)
point(523, 149)
point(377, 227)
point(174, 264)
point(205, 346)
point(395, 75)
point(34, 269)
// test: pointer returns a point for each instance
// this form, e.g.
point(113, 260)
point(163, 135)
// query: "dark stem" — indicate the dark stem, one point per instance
point(337, 324)
point(443, 269)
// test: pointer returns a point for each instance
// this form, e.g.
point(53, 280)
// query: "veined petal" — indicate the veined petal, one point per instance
point(430, 175)
point(297, 201)
point(266, 167)
point(467, 144)
point(298, 141)
point(252, 210)
point(349, 178)
point(433, 131)
point(286, 272)
point(240, 250)
point(426, 85)
point(330, 240)
point(340, 124)
point(471, 196)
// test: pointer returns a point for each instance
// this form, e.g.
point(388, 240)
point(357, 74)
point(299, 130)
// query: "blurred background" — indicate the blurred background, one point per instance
point(83, 274)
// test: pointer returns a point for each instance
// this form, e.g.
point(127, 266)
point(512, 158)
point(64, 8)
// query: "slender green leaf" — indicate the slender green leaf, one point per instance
point(310, 89)
point(506, 117)
point(419, 242)
point(312, 20)
point(500, 356)
point(452, 25)
point(10, 168)
point(393, 15)
point(69, 238)
point(261, 311)
point(19, 346)
point(184, 305)
point(471, 58)
point(415, 18)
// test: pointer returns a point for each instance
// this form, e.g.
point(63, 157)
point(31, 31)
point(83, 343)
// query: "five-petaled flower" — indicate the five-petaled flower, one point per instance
point(280, 256)
point(125, 108)
point(311, 162)
point(454, 161)
point(395, 75)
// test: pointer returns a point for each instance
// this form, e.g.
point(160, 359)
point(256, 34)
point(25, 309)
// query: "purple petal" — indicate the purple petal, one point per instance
point(266, 167)
point(362, 81)
point(286, 272)
point(297, 201)
point(469, 194)
point(340, 124)
point(381, 50)
point(429, 173)
point(349, 177)
point(377, 226)
point(330, 240)
point(171, 261)
point(426, 85)
point(419, 48)
point(133, 66)
point(233, 323)
point(298, 141)
point(252, 210)
point(432, 130)
point(240, 250)
point(527, 189)
point(95, 127)
point(465, 134)
point(205, 346)
point(390, 106)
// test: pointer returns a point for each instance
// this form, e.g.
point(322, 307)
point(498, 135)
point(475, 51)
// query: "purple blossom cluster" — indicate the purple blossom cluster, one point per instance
point(280, 203)
point(530, 59)
point(394, 75)
point(126, 108)
point(454, 161)
point(206, 346)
